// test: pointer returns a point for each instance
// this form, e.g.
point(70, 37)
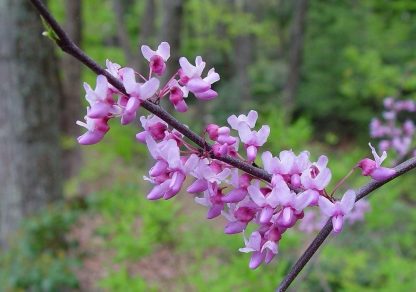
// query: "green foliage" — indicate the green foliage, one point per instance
point(122, 281)
point(356, 53)
point(38, 258)
point(283, 136)
point(134, 225)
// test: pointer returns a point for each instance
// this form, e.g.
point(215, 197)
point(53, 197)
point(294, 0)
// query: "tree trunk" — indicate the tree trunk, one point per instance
point(70, 101)
point(171, 29)
point(295, 58)
point(29, 128)
point(147, 30)
point(122, 33)
point(243, 50)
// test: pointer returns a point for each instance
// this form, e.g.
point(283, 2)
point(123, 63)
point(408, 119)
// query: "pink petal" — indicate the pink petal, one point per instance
point(245, 133)
point(147, 52)
point(266, 214)
point(99, 110)
point(212, 76)
point(262, 135)
point(141, 137)
point(287, 216)
point(127, 118)
point(90, 138)
point(206, 95)
point(382, 173)
point(323, 178)
point(214, 211)
point(252, 118)
point(326, 206)
point(132, 105)
point(159, 168)
point(235, 196)
point(256, 260)
point(187, 68)
point(348, 201)
point(129, 80)
point(181, 106)
point(337, 222)
point(175, 185)
point(235, 227)
point(256, 195)
point(198, 186)
point(163, 50)
point(149, 88)
point(198, 85)
point(251, 153)
point(158, 191)
point(101, 87)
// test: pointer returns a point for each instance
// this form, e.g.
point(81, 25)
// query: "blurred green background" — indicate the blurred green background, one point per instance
point(105, 235)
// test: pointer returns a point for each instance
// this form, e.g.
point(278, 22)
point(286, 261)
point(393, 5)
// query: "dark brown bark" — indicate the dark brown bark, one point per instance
point(295, 57)
point(70, 101)
point(29, 124)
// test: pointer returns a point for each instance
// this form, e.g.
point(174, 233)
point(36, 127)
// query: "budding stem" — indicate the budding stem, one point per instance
point(341, 182)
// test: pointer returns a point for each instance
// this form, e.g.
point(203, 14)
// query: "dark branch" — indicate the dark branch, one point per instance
point(68, 46)
point(326, 230)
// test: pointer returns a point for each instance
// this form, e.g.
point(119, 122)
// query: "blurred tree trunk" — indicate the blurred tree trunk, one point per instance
point(295, 57)
point(171, 30)
point(70, 101)
point(147, 30)
point(29, 128)
point(122, 32)
point(243, 56)
point(171, 33)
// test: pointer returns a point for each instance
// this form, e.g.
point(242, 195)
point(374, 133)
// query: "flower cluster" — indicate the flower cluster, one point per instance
point(298, 183)
point(397, 129)
point(106, 102)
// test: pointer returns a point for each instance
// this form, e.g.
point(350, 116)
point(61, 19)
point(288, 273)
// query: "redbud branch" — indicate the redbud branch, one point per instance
point(68, 46)
point(326, 230)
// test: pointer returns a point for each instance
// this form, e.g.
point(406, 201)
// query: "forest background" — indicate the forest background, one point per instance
point(316, 71)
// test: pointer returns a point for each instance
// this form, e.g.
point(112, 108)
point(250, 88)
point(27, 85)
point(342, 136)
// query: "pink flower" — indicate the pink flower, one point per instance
point(373, 168)
point(96, 130)
point(252, 139)
point(292, 204)
point(190, 76)
point(287, 165)
point(254, 245)
point(100, 99)
point(212, 199)
point(250, 120)
point(267, 203)
point(339, 209)
point(239, 215)
point(240, 184)
point(261, 249)
point(138, 93)
point(153, 126)
point(157, 58)
point(317, 176)
point(170, 170)
point(176, 96)
point(206, 174)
